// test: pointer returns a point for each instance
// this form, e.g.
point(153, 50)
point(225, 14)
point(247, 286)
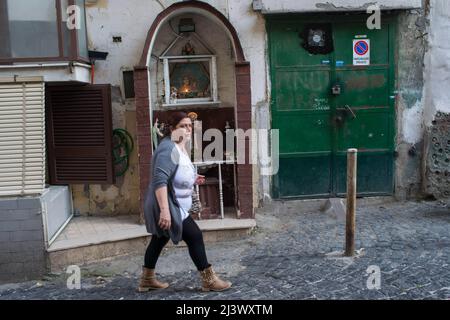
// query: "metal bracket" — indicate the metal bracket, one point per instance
point(257, 5)
point(336, 90)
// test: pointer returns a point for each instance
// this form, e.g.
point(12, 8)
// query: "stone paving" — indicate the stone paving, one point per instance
point(291, 255)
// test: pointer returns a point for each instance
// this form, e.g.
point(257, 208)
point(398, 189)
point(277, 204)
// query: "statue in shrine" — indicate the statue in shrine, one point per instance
point(188, 50)
point(173, 95)
point(157, 133)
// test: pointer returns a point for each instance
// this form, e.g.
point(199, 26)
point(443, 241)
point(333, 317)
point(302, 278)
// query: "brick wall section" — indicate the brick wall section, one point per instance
point(143, 132)
point(244, 121)
point(22, 248)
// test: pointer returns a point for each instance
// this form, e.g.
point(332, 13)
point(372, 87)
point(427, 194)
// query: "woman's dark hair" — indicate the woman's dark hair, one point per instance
point(174, 119)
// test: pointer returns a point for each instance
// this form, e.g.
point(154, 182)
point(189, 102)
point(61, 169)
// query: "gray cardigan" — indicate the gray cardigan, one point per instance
point(164, 166)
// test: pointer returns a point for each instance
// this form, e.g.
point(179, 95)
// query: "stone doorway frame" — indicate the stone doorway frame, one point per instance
point(243, 112)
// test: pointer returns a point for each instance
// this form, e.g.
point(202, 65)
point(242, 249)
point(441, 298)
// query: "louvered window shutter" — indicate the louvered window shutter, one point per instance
point(22, 137)
point(79, 135)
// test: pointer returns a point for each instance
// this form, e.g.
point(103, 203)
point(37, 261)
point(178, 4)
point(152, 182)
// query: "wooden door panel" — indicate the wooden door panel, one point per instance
point(317, 126)
point(79, 134)
point(306, 89)
point(373, 175)
point(368, 131)
point(363, 87)
point(366, 94)
point(305, 176)
point(304, 132)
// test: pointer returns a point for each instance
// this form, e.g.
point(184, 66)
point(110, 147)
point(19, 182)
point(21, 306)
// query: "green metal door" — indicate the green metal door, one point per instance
point(323, 103)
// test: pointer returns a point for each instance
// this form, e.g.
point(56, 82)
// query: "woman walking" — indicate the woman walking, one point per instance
point(167, 204)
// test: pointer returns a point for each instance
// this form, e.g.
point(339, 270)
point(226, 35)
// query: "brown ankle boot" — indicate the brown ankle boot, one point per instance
point(149, 282)
point(211, 282)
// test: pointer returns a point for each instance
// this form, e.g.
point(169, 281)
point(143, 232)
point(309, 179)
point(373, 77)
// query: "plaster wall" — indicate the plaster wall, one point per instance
point(411, 36)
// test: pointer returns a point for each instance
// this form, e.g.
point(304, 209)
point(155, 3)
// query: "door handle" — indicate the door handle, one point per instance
point(336, 89)
point(342, 114)
point(339, 118)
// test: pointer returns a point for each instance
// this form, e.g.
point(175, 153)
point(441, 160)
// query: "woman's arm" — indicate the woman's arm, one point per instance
point(163, 202)
point(165, 167)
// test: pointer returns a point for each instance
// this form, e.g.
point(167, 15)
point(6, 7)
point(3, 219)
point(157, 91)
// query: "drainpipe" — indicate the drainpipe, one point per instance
point(93, 57)
point(92, 71)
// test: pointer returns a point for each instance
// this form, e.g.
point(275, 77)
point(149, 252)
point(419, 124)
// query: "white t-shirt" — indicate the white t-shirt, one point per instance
point(183, 183)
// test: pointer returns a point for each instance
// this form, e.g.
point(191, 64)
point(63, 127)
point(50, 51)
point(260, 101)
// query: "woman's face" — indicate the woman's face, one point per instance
point(183, 130)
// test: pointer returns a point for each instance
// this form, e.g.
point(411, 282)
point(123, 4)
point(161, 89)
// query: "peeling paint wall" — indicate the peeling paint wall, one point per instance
point(409, 105)
point(437, 102)
point(412, 123)
point(437, 61)
point(122, 197)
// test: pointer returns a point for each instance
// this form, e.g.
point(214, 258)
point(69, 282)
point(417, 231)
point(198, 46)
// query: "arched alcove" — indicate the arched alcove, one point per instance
point(233, 85)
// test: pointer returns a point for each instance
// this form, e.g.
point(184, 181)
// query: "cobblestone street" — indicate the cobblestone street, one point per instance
point(291, 255)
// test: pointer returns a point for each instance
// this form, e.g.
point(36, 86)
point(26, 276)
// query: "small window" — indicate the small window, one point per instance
point(128, 84)
point(34, 29)
point(28, 29)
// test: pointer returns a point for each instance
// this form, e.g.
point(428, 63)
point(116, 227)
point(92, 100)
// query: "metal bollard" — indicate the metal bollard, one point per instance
point(351, 202)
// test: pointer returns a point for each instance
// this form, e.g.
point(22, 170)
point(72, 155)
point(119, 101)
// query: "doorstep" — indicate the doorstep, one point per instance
point(90, 239)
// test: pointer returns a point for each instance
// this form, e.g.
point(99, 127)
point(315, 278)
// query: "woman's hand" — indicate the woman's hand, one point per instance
point(200, 179)
point(164, 219)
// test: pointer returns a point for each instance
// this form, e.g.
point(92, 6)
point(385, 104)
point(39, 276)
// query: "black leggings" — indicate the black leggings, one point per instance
point(194, 240)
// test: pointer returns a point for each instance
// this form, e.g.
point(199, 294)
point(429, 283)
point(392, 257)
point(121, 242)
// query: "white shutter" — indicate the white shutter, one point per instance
point(22, 137)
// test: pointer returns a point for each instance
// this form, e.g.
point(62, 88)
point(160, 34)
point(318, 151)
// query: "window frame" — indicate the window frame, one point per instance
point(74, 53)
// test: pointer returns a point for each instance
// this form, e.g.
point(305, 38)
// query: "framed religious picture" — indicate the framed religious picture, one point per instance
point(190, 80)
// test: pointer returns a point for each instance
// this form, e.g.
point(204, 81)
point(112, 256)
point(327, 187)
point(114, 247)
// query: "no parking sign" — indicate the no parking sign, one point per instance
point(361, 52)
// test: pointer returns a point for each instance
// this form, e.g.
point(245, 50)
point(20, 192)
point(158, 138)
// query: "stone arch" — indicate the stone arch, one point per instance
point(198, 7)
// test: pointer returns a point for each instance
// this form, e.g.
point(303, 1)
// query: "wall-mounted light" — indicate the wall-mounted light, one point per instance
point(186, 25)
